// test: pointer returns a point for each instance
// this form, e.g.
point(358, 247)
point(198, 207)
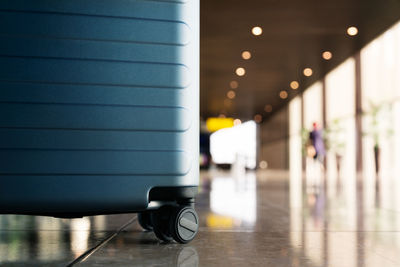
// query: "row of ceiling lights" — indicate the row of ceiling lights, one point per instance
point(246, 55)
point(308, 72)
point(240, 71)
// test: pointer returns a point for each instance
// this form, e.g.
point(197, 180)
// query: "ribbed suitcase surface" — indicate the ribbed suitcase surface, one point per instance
point(98, 103)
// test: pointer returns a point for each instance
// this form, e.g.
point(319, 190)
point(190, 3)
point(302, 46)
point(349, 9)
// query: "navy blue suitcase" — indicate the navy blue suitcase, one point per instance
point(99, 110)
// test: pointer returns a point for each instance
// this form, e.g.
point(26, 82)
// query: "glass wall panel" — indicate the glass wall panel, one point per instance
point(295, 152)
point(340, 110)
point(381, 96)
point(341, 156)
point(380, 62)
point(295, 166)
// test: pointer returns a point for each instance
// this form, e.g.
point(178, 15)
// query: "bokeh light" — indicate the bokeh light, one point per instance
point(257, 30)
point(263, 164)
point(283, 94)
point(231, 94)
point(294, 85)
point(327, 55)
point(240, 71)
point(246, 55)
point(352, 31)
point(234, 84)
point(268, 108)
point(257, 118)
point(307, 72)
point(237, 122)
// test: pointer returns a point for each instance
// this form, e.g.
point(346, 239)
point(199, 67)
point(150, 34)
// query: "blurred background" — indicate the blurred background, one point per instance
point(306, 95)
point(286, 65)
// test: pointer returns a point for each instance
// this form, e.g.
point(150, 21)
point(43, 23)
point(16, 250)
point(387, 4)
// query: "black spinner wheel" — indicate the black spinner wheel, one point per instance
point(161, 223)
point(184, 224)
point(144, 219)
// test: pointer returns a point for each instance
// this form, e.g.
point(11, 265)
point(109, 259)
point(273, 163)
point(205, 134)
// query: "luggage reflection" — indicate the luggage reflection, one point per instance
point(56, 242)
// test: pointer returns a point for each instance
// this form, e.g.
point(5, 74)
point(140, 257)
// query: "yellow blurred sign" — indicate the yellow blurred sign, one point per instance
point(215, 124)
point(217, 221)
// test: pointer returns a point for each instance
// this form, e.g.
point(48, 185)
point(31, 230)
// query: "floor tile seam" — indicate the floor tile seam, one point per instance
point(84, 256)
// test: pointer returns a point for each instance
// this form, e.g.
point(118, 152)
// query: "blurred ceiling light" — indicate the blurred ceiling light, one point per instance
point(268, 108)
point(327, 55)
point(234, 84)
point(263, 164)
point(294, 85)
point(283, 94)
point(352, 31)
point(256, 30)
point(231, 94)
point(240, 71)
point(237, 122)
point(257, 118)
point(246, 55)
point(307, 72)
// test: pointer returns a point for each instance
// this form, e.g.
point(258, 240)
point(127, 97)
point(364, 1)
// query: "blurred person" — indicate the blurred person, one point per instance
point(317, 142)
point(315, 158)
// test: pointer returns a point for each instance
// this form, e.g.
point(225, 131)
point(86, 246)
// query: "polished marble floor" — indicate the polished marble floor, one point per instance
point(263, 218)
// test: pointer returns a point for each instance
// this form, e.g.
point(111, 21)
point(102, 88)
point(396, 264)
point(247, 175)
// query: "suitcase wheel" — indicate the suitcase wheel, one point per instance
point(184, 224)
point(179, 223)
point(144, 219)
point(160, 220)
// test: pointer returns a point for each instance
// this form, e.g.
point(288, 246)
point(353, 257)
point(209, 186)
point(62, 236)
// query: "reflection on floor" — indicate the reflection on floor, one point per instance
point(264, 218)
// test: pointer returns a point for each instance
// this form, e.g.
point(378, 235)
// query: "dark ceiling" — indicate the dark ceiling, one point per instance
point(295, 33)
